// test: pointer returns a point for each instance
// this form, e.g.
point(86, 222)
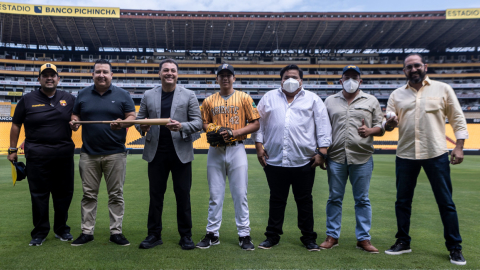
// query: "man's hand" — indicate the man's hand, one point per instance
point(392, 122)
point(145, 128)
point(174, 125)
point(457, 153)
point(74, 126)
point(117, 125)
point(12, 157)
point(364, 131)
point(227, 136)
point(261, 155)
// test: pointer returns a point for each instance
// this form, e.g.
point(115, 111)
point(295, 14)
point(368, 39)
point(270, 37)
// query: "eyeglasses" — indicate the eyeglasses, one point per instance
point(416, 66)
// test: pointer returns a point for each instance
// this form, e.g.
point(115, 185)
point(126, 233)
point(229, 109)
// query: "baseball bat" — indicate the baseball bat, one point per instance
point(151, 122)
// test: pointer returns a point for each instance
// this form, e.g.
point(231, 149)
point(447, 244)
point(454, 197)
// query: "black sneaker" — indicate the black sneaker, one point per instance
point(150, 242)
point(119, 239)
point(209, 240)
point(82, 239)
point(64, 237)
point(186, 243)
point(36, 242)
point(312, 246)
point(398, 248)
point(267, 244)
point(246, 243)
point(456, 257)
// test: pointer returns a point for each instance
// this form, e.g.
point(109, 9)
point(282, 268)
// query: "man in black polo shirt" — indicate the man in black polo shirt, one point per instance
point(49, 148)
point(103, 150)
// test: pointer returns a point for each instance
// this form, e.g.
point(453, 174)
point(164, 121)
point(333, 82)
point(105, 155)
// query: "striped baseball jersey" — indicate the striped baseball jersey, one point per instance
point(233, 112)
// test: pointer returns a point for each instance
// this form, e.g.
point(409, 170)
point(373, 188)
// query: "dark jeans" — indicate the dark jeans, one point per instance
point(158, 170)
point(438, 173)
point(279, 180)
point(45, 176)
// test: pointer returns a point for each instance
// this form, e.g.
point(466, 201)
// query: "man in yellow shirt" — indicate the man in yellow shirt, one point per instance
point(421, 108)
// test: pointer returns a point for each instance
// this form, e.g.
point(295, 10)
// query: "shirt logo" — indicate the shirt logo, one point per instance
point(352, 67)
point(224, 66)
point(113, 101)
point(63, 103)
point(38, 105)
point(253, 105)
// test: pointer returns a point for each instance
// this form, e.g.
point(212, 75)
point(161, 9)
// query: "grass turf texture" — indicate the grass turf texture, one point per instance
point(426, 227)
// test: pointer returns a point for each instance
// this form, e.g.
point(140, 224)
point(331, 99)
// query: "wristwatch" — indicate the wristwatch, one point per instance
point(317, 151)
point(12, 150)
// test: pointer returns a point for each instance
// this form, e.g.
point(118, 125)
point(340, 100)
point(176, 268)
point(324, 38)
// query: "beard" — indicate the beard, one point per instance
point(421, 76)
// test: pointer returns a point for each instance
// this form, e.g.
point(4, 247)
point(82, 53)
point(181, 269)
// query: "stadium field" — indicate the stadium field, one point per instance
point(426, 228)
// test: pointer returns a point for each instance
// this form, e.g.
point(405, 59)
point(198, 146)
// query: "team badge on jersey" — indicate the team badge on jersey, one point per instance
point(63, 103)
point(253, 105)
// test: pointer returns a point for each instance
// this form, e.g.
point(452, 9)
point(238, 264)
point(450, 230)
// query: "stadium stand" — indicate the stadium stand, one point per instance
point(258, 44)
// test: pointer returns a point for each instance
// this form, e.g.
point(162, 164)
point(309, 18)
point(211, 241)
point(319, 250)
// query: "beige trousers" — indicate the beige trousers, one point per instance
point(113, 168)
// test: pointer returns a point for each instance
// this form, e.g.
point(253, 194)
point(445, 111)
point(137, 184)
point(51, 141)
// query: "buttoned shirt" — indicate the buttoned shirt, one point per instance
point(346, 119)
point(291, 132)
point(421, 119)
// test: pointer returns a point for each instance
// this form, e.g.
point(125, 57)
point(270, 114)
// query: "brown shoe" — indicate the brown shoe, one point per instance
point(329, 243)
point(366, 246)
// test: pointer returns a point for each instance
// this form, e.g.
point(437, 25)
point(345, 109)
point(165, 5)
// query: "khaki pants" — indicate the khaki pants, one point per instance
point(91, 168)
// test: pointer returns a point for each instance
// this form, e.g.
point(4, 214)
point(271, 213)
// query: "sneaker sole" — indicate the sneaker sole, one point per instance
point(63, 239)
point(211, 244)
point(77, 245)
point(314, 249)
point(336, 245)
point(36, 245)
point(458, 263)
point(264, 247)
point(120, 244)
point(398, 252)
point(373, 252)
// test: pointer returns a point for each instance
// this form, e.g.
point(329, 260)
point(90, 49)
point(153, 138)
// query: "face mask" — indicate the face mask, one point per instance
point(350, 86)
point(291, 85)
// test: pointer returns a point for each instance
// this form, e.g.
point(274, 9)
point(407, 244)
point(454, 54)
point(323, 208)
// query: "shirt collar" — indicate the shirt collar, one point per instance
point(426, 81)
point(299, 94)
point(110, 89)
point(361, 94)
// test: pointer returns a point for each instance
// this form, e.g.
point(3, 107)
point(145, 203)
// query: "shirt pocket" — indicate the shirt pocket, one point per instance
point(363, 112)
point(432, 104)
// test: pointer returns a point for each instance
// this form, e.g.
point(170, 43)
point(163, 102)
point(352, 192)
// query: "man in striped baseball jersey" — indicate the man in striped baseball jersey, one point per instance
point(229, 108)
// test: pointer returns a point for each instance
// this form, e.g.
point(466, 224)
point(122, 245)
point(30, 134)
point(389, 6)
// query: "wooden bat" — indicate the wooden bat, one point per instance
point(151, 122)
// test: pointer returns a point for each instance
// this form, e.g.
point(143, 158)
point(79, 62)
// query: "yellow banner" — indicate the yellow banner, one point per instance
point(463, 13)
point(15, 94)
point(45, 10)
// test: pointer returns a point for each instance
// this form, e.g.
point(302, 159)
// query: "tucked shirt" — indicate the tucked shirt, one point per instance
point(46, 121)
point(99, 139)
point(346, 119)
point(290, 133)
point(421, 119)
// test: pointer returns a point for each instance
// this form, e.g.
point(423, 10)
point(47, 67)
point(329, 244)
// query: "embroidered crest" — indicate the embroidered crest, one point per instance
point(63, 103)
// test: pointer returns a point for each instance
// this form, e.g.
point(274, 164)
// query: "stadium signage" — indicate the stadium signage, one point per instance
point(46, 10)
point(265, 54)
point(467, 13)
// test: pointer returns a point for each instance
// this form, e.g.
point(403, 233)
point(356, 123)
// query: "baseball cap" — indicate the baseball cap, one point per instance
point(227, 67)
point(18, 171)
point(351, 67)
point(47, 66)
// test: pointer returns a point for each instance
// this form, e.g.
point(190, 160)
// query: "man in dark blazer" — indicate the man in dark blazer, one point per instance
point(168, 149)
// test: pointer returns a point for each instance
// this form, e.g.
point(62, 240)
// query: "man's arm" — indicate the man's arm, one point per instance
point(250, 128)
point(261, 154)
point(194, 123)
point(143, 114)
point(14, 134)
point(457, 153)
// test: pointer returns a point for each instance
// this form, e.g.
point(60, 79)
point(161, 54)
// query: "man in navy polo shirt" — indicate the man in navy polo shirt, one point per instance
point(49, 148)
point(103, 150)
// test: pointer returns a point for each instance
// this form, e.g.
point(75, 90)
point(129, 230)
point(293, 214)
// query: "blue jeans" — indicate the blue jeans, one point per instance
point(359, 175)
point(438, 173)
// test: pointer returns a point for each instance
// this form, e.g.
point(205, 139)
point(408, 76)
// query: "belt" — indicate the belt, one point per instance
point(235, 143)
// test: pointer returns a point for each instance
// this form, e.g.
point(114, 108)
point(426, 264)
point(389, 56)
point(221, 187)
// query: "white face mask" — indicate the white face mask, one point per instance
point(291, 85)
point(350, 86)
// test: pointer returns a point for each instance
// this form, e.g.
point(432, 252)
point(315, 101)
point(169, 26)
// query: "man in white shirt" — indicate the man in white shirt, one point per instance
point(293, 138)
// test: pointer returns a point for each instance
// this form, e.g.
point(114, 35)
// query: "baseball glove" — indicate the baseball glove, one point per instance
point(215, 139)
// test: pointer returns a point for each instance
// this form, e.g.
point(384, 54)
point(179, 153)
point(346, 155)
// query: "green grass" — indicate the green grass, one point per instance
point(426, 228)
